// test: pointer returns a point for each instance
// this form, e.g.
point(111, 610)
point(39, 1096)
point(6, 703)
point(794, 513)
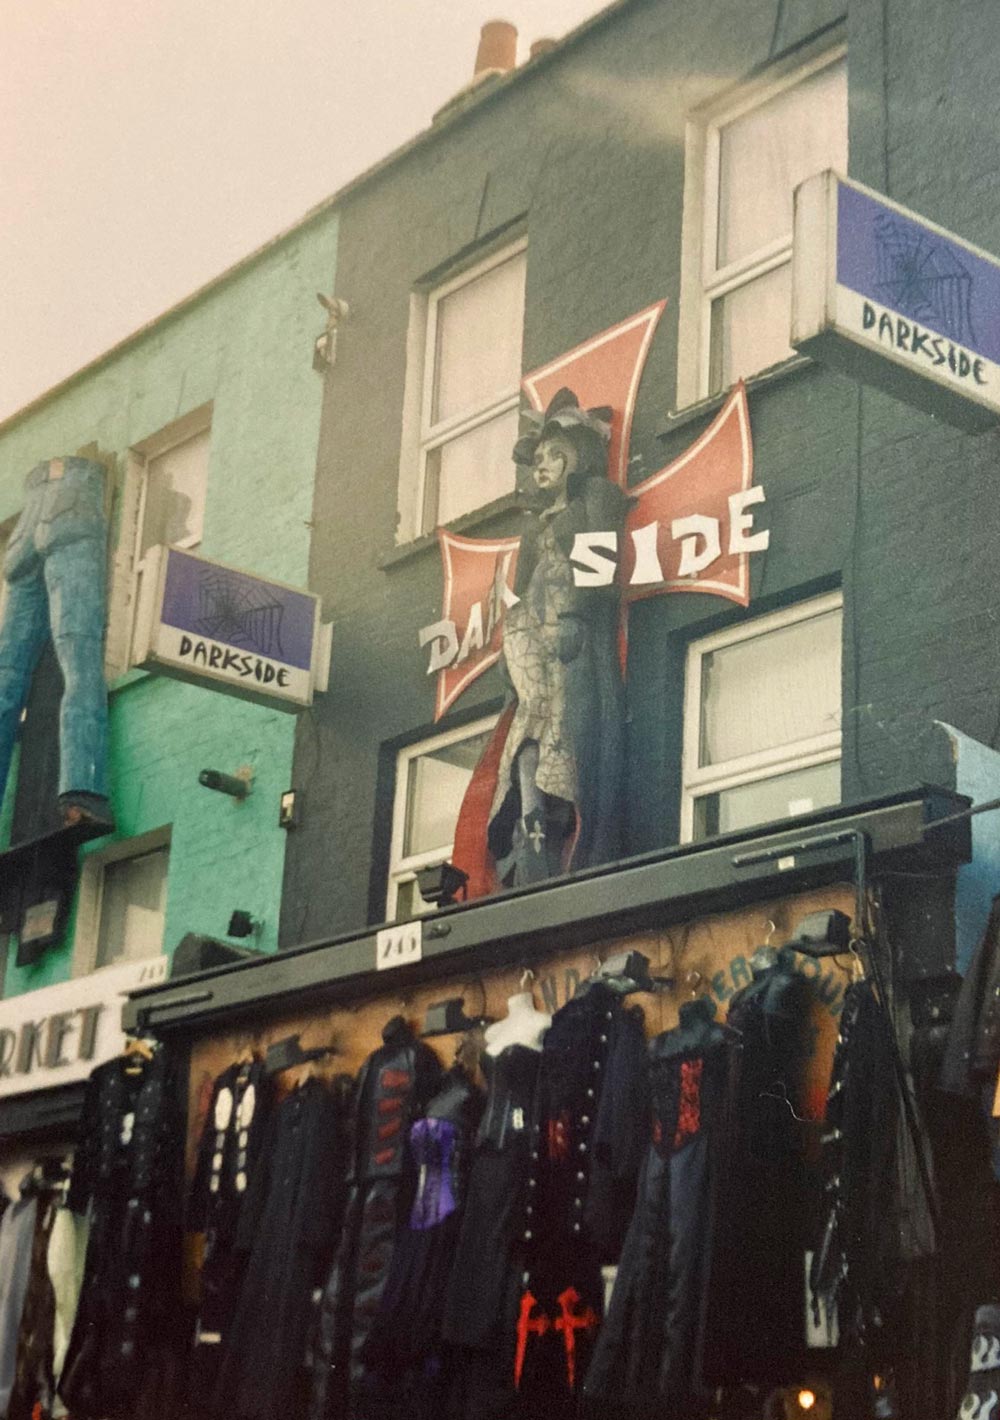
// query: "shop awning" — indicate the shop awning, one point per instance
point(636, 894)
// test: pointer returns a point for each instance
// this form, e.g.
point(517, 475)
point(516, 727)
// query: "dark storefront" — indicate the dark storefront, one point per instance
point(754, 1201)
point(740, 1338)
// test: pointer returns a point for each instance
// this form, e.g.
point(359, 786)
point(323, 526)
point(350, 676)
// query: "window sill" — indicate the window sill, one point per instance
point(477, 518)
point(128, 678)
point(775, 374)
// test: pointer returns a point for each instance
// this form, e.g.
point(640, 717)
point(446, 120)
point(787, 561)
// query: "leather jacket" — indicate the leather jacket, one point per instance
point(972, 1055)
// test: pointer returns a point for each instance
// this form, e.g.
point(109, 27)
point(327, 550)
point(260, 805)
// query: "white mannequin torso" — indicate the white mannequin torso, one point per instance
point(522, 1025)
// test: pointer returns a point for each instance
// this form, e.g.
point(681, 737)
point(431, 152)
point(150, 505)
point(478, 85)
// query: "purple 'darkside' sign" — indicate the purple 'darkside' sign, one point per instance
point(918, 272)
point(254, 615)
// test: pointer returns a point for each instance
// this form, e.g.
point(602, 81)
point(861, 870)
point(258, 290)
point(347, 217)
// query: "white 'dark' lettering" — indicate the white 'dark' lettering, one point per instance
point(985, 1353)
point(974, 1408)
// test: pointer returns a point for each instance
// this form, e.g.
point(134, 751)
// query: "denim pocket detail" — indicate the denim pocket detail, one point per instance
point(68, 515)
point(81, 502)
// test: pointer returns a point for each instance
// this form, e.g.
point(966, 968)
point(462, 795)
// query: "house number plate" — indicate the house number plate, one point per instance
point(398, 945)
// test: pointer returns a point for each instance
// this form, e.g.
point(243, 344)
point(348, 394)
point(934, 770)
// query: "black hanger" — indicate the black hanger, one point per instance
point(45, 1177)
point(449, 1018)
point(139, 1051)
point(286, 1054)
point(628, 972)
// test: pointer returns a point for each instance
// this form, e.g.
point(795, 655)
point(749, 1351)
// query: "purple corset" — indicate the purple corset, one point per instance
point(433, 1144)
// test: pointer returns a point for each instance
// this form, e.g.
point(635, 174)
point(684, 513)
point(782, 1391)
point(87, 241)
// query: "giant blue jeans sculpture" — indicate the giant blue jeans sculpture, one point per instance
point(55, 574)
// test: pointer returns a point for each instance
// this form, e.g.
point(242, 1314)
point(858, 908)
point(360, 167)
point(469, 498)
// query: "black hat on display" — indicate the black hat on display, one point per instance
point(587, 430)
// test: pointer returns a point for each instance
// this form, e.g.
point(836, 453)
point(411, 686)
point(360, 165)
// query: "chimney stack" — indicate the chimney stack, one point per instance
point(541, 46)
point(497, 51)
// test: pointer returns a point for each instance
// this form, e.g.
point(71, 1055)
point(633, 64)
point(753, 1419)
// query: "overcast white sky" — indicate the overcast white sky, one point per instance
point(146, 145)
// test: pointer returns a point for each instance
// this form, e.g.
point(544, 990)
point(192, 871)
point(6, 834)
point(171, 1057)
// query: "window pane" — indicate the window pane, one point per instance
point(766, 153)
point(470, 471)
point(409, 903)
point(750, 327)
point(175, 493)
point(133, 902)
point(436, 784)
point(478, 355)
point(774, 689)
point(785, 796)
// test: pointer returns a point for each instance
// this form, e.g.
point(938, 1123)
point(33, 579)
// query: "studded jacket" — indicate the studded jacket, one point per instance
point(392, 1089)
point(589, 1126)
point(589, 1122)
point(972, 1056)
point(128, 1173)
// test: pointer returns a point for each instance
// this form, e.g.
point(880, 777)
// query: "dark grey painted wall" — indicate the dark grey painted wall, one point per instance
point(586, 156)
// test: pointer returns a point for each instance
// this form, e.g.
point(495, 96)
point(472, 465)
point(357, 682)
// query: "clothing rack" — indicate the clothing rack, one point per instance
point(861, 845)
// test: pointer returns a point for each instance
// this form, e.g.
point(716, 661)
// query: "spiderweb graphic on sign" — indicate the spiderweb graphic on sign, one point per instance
point(923, 279)
point(243, 615)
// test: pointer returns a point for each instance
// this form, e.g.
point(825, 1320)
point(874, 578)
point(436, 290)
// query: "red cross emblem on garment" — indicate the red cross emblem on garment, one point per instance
point(569, 1322)
point(574, 1315)
point(528, 1322)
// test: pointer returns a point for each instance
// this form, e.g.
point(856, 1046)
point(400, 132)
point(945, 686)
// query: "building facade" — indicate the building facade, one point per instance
point(652, 158)
point(801, 743)
point(206, 423)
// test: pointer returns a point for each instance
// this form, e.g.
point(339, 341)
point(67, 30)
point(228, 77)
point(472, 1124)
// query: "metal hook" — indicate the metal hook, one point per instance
point(857, 965)
point(771, 929)
point(527, 977)
point(783, 1097)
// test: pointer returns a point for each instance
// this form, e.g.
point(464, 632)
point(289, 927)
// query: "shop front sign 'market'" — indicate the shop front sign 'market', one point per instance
point(56, 1036)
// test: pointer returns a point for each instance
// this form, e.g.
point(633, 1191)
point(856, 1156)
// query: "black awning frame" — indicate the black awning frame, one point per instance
point(643, 893)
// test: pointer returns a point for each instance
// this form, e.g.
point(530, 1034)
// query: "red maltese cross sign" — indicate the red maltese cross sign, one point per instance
point(689, 527)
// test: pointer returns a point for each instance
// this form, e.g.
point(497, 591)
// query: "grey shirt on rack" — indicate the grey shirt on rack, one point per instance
point(17, 1229)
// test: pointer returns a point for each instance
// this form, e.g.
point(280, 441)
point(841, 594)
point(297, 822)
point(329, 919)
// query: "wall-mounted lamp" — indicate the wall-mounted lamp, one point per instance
point(237, 785)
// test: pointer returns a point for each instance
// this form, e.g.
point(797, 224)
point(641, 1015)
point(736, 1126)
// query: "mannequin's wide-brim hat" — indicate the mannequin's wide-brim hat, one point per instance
point(562, 417)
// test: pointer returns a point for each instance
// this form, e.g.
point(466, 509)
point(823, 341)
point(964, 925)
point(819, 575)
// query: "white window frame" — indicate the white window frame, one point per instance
point(700, 780)
point(91, 892)
point(127, 565)
point(421, 435)
point(702, 282)
point(404, 869)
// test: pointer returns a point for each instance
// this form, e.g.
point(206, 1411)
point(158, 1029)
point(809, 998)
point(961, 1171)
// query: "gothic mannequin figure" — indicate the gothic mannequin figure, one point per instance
point(54, 569)
point(556, 800)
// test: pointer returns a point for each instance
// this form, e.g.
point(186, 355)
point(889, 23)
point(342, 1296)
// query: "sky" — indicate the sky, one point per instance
point(147, 145)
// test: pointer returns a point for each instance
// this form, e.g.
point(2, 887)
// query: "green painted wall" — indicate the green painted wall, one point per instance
point(246, 345)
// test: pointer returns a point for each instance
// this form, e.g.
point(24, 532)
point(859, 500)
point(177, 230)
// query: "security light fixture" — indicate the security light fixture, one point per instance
point(440, 883)
point(325, 345)
point(822, 934)
point(242, 924)
point(237, 786)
